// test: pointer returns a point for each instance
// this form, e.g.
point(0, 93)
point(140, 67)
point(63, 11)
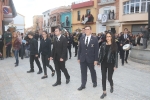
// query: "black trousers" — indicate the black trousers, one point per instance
point(1, 49)
point(45, 62)
point(122, 54)
point(69, 50)
point(76, 48)
point(60, 66)
point(8, 50)
point(104, 67)
point(84, 66)
point(32, 58)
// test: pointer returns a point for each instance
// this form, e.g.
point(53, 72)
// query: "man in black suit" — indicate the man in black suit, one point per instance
point(59, 56)
point(124, 39)
point(34, 54)
point(88, 57)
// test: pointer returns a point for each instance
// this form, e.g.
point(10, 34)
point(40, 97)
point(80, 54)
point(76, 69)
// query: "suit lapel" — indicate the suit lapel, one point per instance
point(90, 41)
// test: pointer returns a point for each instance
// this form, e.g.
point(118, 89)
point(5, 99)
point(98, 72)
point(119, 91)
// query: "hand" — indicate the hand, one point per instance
point(48, 58)
point(115, 68)
point(36, 55)
point(78, 61)
point(95, 63)
point(6, 46)
point(127, 38)
point(120, 44)
point(61, 59)
point(51, 58)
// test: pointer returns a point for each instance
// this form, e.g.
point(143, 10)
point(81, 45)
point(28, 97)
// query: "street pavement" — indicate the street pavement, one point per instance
point(131, 82)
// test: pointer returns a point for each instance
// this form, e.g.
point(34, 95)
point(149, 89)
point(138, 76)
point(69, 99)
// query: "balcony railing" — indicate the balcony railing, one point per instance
point(110, 17)
point(105, 2)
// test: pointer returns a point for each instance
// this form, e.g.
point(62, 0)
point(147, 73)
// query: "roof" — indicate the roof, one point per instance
point(46, 11)
point(20, 14)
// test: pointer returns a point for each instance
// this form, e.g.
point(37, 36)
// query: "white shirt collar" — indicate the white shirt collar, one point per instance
point(58, 37)
point(88, 36)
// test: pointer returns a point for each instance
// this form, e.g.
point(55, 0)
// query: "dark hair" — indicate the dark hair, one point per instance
point(45, 32)
point(8, 30)
point(83, 28)
point(31, 33)
point(58, 28)
point(125, 29)
point(113, 43)
point(88, 26)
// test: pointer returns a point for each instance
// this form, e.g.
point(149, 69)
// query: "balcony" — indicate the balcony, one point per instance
point(86, 3)
point(104, 18)
point(105, 2)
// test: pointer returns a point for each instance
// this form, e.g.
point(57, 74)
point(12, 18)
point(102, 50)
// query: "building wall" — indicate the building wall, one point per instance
point(39, 19)
point(131, 19)
point(101, 27)
point(63, 20)
point(19, 22)
point(77, 24)
point(46, 20)
point(1, 17)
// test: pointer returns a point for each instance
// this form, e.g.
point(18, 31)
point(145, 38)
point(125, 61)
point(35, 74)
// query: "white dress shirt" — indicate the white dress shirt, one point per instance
point(125, 36)
point(58, 37)
point(89, 38)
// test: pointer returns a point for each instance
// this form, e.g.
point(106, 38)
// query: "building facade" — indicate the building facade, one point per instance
point(133, 14)
point(46, 18)
point(38, 23)
point(55, 16)
point(19, 22)
point(108, 16)
point(7, 13)
point(84, 13)
point(66, 21)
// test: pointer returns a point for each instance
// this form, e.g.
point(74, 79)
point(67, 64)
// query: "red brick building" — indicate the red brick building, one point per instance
point(108, 16)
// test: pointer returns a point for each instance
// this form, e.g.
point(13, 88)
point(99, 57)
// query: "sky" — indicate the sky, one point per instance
point(29, 8)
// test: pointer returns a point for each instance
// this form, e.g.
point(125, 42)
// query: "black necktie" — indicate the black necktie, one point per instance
point(57, 39)
point(87, 41)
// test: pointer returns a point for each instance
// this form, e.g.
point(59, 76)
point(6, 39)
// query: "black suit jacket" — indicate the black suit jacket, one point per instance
point(45, 47)
point(60, 48)
point(33, 47)
point(69, 40)
point(123, 41)
point(90, 53)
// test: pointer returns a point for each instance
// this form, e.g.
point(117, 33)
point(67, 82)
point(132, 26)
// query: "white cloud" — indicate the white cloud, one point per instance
point(29, 8)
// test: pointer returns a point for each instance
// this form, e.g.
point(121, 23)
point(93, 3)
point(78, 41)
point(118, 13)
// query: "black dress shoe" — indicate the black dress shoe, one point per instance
point(30, 71)
point(103, 96)
point(53, 73)
point(16, 65)
point(39, 72)
point(111, 90)
point(67, 81)
point(126, 61)
point(44, 77)
point(94, 84)
point(81, 88)
point(70, 58)
point(57, 83)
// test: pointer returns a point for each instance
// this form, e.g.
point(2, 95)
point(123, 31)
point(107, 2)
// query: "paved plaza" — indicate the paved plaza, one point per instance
point(131, 82)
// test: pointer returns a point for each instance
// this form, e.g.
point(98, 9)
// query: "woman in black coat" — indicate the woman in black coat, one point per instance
point(45, 51)
point(109, 61)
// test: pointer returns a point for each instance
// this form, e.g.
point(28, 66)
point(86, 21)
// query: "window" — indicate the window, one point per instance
point(103, 1)
point(143, 7)
point(44, 15)
point(135, 6)
point(88, 11)
point(48, 14)
point(78, 15)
